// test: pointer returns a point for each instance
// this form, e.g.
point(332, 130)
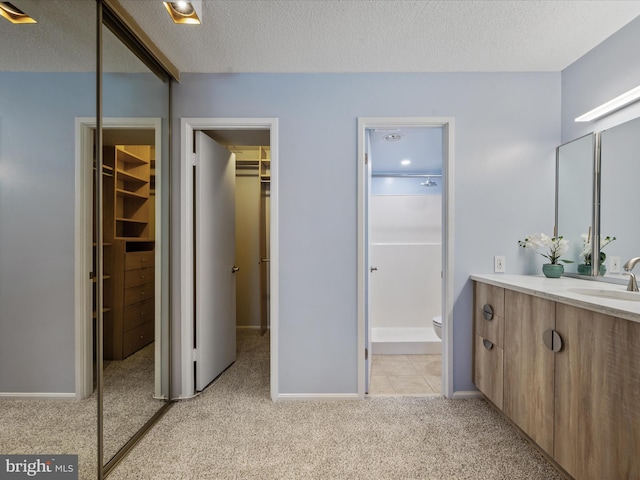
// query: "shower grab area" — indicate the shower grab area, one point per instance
point(406, 285)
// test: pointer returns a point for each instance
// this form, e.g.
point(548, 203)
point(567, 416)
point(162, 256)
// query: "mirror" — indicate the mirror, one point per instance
point(49, 368)
point(575, 167)
point(619, 147)
point(48, 80)
point(135, 125)
point(575, 193)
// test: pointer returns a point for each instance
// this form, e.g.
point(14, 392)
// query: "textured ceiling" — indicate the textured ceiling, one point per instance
point(325, 35)
point(383, 35)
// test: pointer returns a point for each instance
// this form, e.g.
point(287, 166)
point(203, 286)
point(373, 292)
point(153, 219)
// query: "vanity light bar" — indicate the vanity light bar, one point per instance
point(14, 14)
point(608, 107)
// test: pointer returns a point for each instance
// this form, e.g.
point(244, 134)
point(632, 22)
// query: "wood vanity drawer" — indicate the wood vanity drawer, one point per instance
point(138, 313)
point(489, 312)
point(135, 260)
point(138, 277)
point(137, 338)
point(488, 370)
point(138, 293)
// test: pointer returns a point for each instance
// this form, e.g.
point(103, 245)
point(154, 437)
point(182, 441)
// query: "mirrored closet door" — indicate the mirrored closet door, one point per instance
point(134, 148)
point(84, 235)
point(48, 401)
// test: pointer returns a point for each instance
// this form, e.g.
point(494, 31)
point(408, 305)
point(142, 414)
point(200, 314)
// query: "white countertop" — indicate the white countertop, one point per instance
point(559, 290)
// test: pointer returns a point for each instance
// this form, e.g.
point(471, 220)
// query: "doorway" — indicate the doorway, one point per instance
point(234, 133)
point(132, 226)
point(405, 256)
point(373, 183)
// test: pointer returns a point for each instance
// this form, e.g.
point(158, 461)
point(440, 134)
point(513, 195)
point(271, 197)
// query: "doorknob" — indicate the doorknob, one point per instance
point(373, 269)
point(234, 269)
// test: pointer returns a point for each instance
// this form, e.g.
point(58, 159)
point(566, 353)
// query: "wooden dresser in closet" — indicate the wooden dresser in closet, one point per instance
point(133, 312)
point(131, 325)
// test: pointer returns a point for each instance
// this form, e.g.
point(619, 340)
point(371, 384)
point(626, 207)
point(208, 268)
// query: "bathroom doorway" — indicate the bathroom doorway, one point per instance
point(404, 261)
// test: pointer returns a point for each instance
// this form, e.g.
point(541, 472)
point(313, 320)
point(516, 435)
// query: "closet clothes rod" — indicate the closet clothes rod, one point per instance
point(408, 175)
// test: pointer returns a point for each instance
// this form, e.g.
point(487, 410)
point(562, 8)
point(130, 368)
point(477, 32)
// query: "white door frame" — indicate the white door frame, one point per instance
point(187, 127)
point(83, 240)
point(447, 123)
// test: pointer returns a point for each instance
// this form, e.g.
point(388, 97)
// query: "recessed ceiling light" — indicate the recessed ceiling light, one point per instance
point(185, 12)
point(405, 162)
point(14, 14)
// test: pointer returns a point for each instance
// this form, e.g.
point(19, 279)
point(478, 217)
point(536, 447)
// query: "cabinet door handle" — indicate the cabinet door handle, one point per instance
point(487, 312)
point(552, 340)
point(487, 344)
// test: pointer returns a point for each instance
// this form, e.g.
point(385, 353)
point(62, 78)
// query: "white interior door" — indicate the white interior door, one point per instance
point(215, 250)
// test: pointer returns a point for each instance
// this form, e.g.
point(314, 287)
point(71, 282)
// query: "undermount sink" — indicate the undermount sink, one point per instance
point(611, 294)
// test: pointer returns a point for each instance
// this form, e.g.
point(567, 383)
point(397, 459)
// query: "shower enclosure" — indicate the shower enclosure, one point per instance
point(406, 253)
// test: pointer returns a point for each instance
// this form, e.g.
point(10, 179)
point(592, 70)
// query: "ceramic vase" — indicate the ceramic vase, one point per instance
point(552, 270)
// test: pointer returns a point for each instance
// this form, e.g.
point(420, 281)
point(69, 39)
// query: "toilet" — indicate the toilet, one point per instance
point(437, 326)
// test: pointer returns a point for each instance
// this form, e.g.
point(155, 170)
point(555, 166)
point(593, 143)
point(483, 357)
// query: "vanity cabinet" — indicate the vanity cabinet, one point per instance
point(597, 395)
point(488, 352)
point(581, 404)
point(529, 366)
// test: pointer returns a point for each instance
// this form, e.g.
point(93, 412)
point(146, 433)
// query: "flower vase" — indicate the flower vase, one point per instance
point(552, 270)
point(584, 269)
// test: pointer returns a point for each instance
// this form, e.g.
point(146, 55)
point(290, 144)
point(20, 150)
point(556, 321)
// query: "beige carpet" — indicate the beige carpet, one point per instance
point(234, 431)
point(69, 427)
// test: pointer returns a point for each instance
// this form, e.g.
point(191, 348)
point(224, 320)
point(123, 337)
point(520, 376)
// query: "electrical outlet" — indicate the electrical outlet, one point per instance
point(614, 264)
point(499, 264)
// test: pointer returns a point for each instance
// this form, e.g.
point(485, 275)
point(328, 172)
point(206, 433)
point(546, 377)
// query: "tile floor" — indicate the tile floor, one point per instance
point(406, 375)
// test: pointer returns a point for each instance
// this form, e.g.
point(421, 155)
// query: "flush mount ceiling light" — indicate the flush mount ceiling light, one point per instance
point(612, 105)
point(393, 137)
point(188, 13)
point(14, 14)
point(405, 162)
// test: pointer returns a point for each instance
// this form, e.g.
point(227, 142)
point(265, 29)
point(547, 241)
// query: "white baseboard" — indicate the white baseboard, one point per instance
point(467, 394)
point(318, 396)
point(37, 396)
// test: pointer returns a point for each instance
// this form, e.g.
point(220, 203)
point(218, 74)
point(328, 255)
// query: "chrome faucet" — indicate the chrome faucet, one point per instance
point(633, 285)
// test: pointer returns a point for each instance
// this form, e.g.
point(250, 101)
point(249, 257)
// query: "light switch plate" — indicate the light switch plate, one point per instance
point(499, 264)
point(614, 264)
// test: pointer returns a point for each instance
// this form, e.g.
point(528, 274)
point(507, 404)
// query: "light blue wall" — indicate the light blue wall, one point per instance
point(37, 162)
point(506, 129)
point(37, 175)
point(602, 74)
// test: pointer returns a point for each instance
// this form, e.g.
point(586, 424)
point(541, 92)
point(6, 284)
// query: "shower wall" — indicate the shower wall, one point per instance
point(407, 250)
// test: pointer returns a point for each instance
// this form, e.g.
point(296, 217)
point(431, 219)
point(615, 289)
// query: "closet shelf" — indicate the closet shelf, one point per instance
point(104, 277)
point(128, 157)
point(131, 220)
point(104, 310)
point(128, 194)
point(129, 177)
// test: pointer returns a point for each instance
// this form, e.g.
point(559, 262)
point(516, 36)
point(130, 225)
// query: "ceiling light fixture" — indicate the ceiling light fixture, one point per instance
point(185, 13)
point(612, 105)
point(14, 14)
point(393, 137)
point(405, 162)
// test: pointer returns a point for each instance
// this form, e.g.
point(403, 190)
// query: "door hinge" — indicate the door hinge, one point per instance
point(366, 158)
point(193, 160)
point(366, 354)
point(194, 355)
